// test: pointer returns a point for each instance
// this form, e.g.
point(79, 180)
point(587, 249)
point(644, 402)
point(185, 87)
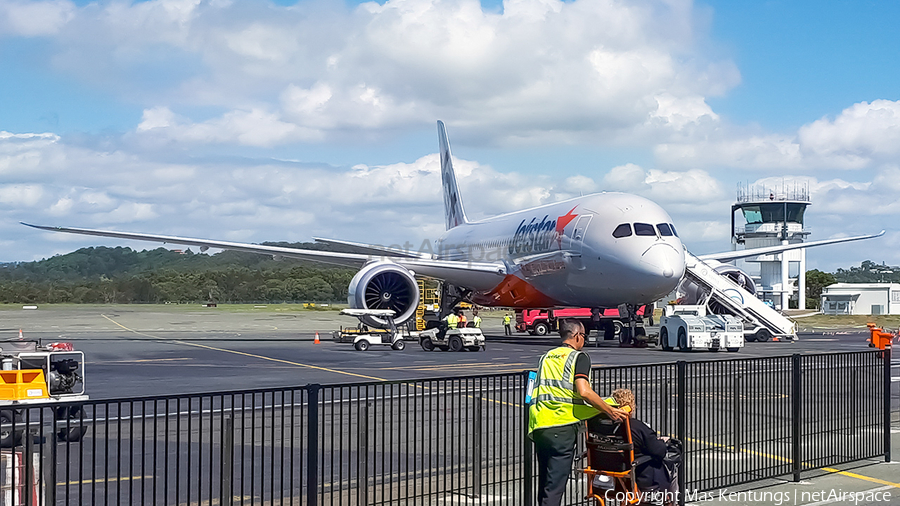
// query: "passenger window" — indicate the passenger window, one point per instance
point(623, 230)
point(644, 229)
point(664, 229)
point(673, 229)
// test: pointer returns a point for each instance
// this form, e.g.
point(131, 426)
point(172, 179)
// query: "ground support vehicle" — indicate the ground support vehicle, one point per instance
point(32, 373)
point(447, 339)
point(363, 337)
point(541, 322)
point(689, 327)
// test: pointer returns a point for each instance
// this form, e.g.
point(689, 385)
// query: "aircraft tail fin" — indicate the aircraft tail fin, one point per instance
point(453, 206)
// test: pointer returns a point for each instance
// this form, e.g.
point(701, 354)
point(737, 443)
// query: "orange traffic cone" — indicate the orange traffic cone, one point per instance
point(317, 339)
point(20, 334)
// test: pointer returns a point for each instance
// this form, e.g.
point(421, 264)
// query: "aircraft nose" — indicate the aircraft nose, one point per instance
point(664, 259)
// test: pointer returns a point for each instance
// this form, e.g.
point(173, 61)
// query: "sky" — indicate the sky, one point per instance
point(260, 120)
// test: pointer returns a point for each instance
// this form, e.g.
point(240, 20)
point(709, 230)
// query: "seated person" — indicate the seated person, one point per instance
point(651, 475)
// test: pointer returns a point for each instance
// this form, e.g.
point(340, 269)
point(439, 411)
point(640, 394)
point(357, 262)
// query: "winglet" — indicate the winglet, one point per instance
point(453, 206)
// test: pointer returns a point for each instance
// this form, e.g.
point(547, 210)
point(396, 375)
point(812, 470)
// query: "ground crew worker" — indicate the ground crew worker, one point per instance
point(506, 321)
point(461, 318)
point(452, 319)
point(476, 319)
point(561, 400)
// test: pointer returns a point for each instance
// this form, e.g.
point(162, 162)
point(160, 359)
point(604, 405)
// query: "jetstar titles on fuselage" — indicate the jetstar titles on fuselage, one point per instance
point(540, 236)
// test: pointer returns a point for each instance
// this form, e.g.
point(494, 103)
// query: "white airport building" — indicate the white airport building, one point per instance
point(861, 299)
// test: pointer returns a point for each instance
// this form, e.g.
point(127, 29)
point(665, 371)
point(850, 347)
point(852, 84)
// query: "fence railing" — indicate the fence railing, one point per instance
point(445, 440)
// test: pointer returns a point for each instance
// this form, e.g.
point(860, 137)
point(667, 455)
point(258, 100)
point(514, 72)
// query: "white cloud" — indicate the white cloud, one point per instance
point(540, 71)
point(29, 19)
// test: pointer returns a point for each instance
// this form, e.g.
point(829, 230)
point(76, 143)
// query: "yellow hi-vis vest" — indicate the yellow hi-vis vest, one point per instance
point(452, 320)
point(477, 320)
point(555, 401)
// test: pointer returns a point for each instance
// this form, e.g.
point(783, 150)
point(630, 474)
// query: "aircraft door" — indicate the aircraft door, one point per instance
point(577, 243)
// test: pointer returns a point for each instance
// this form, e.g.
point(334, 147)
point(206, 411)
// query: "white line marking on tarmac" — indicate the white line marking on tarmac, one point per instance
point(864, 492)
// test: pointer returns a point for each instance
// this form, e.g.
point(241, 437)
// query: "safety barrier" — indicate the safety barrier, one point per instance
point(445, 440)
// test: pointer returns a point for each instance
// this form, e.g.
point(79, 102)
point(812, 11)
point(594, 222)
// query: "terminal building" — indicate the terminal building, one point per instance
point(861, 299)
point(773, 215)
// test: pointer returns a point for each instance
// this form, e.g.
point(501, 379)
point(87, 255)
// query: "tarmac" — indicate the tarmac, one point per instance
point(153, 350)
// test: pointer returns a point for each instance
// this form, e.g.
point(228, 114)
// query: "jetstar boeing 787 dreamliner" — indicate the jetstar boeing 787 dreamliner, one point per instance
point(601, 250)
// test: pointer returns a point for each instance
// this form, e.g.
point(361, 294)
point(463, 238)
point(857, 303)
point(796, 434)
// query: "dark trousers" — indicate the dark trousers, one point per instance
point(555, 449)
point(507, 330)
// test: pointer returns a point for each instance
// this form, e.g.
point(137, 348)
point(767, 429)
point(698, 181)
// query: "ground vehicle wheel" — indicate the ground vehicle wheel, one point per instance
point(625, 336)
point(763, 335)
point(617, 327)
point(664, 339)
point(427, 344)
point(609, 330)
point(682, 340)
point(455, 343)
point(734, 350)
point(361, 345)
point(750, 338)
point(473, 348)
point(399, 345)
point(70, 423)
point(541, 329)
point(8, 439)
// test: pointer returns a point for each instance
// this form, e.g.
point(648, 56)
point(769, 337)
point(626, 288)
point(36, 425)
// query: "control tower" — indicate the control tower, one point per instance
point(773, 215)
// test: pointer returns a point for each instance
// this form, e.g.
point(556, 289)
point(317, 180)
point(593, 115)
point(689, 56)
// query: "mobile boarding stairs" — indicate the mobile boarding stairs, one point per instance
point(760, 320)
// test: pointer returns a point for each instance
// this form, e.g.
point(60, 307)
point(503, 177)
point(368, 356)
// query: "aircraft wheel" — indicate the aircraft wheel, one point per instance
point(427, 344)
point(734, 350)
point(72, 430)
point(763, 335)
point(361, 345)
point(8, 439)
point(682, 340)
point(455, 343)
point(541, 329)
point(399, 345)
point(664, 339)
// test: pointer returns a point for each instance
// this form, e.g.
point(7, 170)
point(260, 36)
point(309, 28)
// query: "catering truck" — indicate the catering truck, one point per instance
point(540, 322)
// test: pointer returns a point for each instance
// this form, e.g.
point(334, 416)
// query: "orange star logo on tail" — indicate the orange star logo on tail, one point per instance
point(561, 223)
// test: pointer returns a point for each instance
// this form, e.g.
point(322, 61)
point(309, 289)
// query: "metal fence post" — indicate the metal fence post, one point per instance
point(796, 411)
point(527, 479)
point(476, 450)
point(856, 400)
point(736, 415)
point(312, 444)
point(227, 496)
point(363, 426)
point(681, 424)
point(50, 465)
point(29, 464)
point(887, 402)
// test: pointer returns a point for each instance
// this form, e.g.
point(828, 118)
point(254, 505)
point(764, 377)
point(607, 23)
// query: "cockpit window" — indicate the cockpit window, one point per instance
point(644, 229)
point(664, 230)
point(623, 230)
point(673, 229)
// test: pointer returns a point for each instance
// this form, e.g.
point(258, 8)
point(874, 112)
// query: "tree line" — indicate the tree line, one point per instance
point(122, 275)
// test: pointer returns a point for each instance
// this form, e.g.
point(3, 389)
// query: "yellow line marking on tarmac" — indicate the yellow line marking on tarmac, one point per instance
point(804, 464)
point(103, 480)
point(861, 477)
point(253, 355)
point(282, 361)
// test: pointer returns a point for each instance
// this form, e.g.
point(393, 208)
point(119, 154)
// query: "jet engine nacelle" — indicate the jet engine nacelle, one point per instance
point(690, 293)
point(384, 285)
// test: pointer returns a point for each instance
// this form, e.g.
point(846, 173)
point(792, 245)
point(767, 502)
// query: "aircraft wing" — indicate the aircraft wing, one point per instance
point(478, 275)
point(746, 253)
point(375, 249)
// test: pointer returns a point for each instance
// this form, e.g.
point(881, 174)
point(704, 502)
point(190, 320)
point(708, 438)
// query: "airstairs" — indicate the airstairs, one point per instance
point(760, 320)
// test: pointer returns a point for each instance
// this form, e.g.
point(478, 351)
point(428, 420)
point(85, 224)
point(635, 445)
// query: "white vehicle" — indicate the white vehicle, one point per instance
point(444, 339)
point(691, 328)
point(362, 337)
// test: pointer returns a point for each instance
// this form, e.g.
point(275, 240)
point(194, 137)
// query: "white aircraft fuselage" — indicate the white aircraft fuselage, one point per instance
point(565, 253)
